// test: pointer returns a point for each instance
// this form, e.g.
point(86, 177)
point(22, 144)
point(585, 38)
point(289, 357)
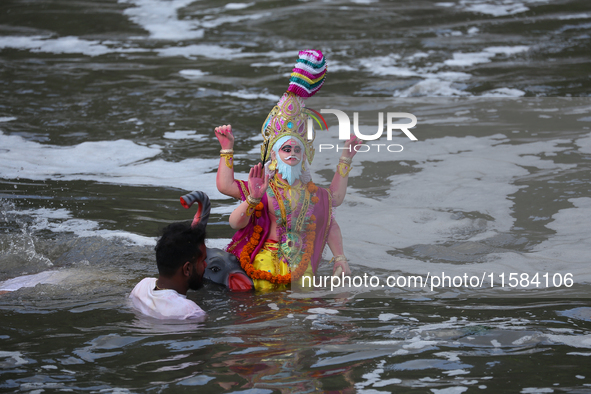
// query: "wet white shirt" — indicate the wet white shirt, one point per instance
point(163, 304)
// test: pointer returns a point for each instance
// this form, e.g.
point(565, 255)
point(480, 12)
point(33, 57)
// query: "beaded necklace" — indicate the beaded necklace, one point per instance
point(291, 233)
point(306, 224)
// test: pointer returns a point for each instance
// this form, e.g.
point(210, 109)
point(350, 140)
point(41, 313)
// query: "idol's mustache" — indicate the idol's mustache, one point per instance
point(292, 157)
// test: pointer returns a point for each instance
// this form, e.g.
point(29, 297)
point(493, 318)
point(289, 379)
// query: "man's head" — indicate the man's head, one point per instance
point(181, 251)
point(289, 153)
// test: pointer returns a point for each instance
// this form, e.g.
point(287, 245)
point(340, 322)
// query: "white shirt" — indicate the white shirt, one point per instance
point(163, 304)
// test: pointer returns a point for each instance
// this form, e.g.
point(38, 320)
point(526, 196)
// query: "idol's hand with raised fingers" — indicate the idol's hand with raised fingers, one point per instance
point(352, 143)
point(258, 181)
point(225, 136)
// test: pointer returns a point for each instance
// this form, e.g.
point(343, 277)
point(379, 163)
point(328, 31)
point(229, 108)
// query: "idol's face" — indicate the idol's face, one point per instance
point(291, 152)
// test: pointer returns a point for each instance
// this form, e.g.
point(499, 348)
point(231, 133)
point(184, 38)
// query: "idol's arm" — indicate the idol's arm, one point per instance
point(238, 218)
point(335, 243)
point(257, 186)
point(225, 181)
point(338, 187)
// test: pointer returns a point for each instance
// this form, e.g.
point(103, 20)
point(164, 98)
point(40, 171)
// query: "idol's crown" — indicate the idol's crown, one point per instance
point(289, 116)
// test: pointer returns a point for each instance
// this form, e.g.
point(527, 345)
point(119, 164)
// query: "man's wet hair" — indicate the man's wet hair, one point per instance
point(178, 244)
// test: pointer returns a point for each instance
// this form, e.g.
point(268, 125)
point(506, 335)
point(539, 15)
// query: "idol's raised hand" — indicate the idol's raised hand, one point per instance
point(352, 142)
point(258, 181)
point(225, 136)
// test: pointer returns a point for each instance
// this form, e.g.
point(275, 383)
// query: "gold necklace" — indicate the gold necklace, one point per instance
point(159, 288)
point(284, 185)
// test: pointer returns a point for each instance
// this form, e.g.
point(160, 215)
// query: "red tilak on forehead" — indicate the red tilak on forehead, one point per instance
point(292, 142)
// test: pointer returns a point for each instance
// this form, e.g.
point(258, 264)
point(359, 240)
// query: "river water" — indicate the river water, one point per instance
point(107, 113)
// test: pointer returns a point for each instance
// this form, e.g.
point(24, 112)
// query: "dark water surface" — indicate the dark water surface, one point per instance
point(107, 111)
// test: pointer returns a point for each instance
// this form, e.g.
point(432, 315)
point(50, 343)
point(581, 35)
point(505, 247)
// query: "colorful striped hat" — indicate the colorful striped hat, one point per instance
point(289, 116)
point(308, 74)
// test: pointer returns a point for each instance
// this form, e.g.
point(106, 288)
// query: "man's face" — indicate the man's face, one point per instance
point(290, 152)
point(197, 270)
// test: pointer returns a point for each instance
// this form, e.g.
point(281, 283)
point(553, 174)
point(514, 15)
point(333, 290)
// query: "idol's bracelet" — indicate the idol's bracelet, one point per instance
point(344, 169)
point(252, 203)
point(346, 160)
point(228, 155)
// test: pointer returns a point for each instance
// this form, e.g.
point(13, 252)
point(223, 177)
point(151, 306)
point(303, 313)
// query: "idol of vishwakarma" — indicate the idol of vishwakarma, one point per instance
point(285, 220)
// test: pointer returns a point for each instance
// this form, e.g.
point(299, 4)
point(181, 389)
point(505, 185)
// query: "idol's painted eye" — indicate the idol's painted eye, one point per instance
point(297, 149)
point(215, 269)
point(286, 149)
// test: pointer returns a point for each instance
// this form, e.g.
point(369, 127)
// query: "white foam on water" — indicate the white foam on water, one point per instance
point(387, 316)
point(185, 135)
point(584, 144)
point(244, 94)
point(17, 357)
point(7, 118)
point(135, 121)
point(119, 162)
point(219, 243)
point(45, 277)
point(434, 83)
point(371, 377)
point(503, 92)
point(461, 59)
point(387, 382)
point(237, 6)
point(437, 80)
point(387, 65)
point(531, 390)
point(160, 19)
point(68, 45)
point(193, 74)
point(428, 379)
point(498, 7)
point(456, 372)
point(432, 87)
point(323, 311)
point(210, 51)
point(450, 356)
point(419, 343)
point(62, 221)
point(575, 16)
point(218, 52)
point(335, 65)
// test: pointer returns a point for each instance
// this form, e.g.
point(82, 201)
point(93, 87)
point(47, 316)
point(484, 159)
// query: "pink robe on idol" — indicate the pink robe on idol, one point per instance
point(322, 211)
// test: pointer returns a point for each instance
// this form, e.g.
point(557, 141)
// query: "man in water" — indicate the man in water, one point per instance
point(180, 256)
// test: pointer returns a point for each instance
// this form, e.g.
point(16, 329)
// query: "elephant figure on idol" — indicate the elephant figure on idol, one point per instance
point(223, 267)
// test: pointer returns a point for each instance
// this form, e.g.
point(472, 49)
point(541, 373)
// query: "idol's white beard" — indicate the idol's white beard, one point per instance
point(289, 173)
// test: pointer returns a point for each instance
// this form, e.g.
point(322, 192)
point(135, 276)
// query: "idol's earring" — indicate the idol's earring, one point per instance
point(273, 165)
point(303, 166)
